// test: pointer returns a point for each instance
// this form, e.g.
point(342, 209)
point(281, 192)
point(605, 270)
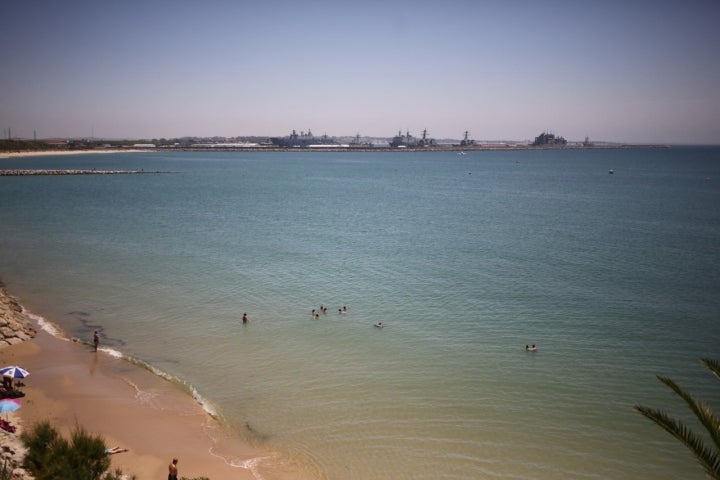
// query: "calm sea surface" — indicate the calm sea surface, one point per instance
point(464, 258)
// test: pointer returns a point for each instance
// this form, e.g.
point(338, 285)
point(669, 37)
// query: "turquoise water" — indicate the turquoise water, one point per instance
point(465, 259)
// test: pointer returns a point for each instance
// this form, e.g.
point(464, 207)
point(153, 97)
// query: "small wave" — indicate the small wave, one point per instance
point(251, 464)
point(112, 352)
point(55, 331)
point(47, 326)
point(141, 395)
point(206, 405)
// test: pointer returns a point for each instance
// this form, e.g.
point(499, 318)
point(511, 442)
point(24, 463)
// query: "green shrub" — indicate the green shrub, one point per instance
point(6, 472)
point(51, 457)
point(39, 442)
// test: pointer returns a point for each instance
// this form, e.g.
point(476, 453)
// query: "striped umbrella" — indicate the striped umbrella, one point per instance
point(14, 372)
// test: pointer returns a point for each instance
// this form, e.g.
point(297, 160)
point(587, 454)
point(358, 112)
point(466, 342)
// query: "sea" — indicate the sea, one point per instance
point(607, 260)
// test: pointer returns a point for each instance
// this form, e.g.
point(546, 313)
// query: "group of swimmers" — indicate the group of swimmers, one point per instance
point(316, 315)
point(323, 309)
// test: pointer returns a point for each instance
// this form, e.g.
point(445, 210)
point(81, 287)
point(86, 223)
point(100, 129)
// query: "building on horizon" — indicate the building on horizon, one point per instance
point(546, 138)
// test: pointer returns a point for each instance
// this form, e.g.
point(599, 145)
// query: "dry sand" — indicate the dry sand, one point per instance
point(66, 152)
point(130, 407)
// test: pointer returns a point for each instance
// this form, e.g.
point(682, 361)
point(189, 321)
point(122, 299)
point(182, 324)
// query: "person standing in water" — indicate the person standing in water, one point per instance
point(96, 340)
point(245, 318)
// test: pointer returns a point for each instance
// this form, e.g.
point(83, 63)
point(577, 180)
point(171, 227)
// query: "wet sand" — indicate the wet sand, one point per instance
point(130, 407)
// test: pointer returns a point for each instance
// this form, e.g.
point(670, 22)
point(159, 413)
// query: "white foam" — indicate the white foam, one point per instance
point(141, 395)
point(252, 464)
point(206, 405)
point(46, 326)
point(57, 332)
point(112, 352)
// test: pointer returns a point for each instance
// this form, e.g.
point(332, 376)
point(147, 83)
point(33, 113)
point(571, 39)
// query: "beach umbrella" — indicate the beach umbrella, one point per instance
point(8, 405)
point(14, 372)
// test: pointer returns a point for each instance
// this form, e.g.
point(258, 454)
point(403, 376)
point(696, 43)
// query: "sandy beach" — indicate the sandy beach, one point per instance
point(38, 153)
point(130, 407)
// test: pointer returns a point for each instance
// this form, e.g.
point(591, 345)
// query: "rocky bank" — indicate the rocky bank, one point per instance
point(15, 327)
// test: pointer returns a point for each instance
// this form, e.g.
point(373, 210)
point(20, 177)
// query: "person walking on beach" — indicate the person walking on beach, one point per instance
point(96, 340)
point(172, 470)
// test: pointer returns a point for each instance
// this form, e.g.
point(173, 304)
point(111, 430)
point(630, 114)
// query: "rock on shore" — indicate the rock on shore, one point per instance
point(15, 325)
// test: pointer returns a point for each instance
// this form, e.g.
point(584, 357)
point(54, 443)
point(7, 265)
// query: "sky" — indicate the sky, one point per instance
point(631, 71)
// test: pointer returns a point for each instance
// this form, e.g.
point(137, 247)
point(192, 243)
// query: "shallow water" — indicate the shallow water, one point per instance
point(464, 258)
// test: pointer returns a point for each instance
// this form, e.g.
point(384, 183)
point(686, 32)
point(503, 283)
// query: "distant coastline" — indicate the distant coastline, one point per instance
point(334, 149)
point(61, 151)
point(22, 173)
point(437, 148)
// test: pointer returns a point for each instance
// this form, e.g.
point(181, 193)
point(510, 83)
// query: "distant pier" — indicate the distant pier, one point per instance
point(20, 173)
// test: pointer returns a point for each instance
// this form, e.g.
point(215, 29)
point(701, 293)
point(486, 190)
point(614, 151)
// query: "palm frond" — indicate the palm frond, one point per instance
point(709, 459)
point(702, 411)
point(712, 365)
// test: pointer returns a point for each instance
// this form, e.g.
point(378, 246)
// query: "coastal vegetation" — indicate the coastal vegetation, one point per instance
point(708, 457)
point(50, 456)
point(19, 145)
point(6, 472)
point(83, 457)
point(24, 146)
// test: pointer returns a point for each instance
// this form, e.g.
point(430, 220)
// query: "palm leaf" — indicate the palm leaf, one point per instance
point(707, 458)
point(712, 365)
point(702, 411)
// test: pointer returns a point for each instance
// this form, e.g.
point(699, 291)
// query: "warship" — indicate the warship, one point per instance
point(302, 139)
point(357, 142)
point(467, 142)
point(407, 140)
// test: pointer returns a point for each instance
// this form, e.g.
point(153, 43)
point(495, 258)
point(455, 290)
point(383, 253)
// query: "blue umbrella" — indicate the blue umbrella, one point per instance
point(8, 405)
point(14, 372)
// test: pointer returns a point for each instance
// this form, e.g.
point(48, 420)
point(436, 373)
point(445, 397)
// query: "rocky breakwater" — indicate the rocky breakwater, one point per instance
point(20, 173)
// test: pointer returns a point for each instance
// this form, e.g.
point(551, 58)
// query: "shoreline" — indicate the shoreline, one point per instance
point(42, 153)
point(129, 406)
point(330, 149)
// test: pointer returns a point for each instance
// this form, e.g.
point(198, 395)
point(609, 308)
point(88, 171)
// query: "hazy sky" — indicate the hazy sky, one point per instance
point(627, 71)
